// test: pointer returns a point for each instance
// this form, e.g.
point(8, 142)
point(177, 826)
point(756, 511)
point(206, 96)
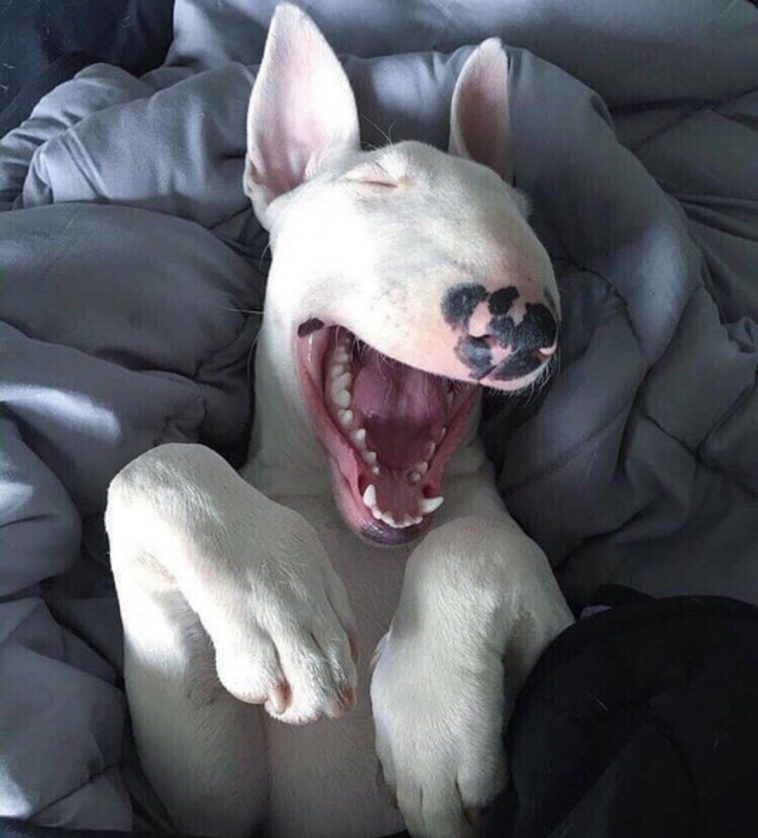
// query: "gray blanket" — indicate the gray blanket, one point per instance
point(131, 271)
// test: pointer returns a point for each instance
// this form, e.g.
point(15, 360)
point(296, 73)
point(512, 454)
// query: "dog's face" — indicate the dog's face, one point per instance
point(405, 277)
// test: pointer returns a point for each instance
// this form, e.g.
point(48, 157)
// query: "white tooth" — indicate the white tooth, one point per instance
point(414, 476)
point(346, 418)
point(340, 355)
point(369, 496)
point(375, 470)
point(430, 449)
point(429, 505)
point(369, 457)
point(359, 437)
point(338, 370)
point(389, 520)
point(421, 468)
point(343, 382)
point(442, 434)
point(341, 398)
point(411, 520)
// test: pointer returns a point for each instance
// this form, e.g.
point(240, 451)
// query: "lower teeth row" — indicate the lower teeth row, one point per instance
point(426, 505)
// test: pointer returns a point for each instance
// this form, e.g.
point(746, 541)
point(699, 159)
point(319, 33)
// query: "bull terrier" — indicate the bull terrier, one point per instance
point(404, 281)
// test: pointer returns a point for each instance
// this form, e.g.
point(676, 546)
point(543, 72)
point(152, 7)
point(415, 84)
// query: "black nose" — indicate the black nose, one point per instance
point(537, 330)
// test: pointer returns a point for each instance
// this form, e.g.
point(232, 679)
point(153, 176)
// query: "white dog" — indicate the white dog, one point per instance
point(404, 279)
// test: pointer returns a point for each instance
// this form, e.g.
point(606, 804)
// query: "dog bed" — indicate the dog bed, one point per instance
point(132, 270)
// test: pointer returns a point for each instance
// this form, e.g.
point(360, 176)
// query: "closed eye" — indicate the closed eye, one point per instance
point(372, 174)
point(382, 183)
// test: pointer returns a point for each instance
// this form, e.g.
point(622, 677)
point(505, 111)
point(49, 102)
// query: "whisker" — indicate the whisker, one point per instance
point(263, 255)
point(381, 131)
point(392, 125)
point(242, 310)
point(249, 364)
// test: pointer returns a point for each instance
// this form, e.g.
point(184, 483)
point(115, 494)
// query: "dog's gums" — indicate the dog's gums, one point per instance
point(389, 430)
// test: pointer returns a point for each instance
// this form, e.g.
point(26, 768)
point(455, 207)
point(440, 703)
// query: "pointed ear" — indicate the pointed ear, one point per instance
point(479, 123)
point(301, 105)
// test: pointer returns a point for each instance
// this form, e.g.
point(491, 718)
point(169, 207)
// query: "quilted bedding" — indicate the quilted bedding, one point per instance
point(132, 275)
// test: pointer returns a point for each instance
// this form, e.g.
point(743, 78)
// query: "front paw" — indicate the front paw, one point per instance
point(190, 536)
point(438, 718)
point(300, 668)
point(287, 640)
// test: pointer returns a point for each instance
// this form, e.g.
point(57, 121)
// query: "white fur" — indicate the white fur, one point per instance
point(228, 584)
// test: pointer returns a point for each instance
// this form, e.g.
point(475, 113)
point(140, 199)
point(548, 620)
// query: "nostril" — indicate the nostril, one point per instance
point(482, 344)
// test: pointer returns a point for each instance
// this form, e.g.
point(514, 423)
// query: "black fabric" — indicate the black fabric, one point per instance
point(618, 595)
point(640, 721)
point(134, 34)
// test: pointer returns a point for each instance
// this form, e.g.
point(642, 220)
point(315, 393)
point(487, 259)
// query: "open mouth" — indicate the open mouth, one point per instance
point(389, 430)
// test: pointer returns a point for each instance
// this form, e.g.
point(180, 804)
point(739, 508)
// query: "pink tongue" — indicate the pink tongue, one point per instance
point(401, 408)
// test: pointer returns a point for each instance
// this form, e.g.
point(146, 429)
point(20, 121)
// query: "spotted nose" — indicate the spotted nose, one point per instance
point(503, 337)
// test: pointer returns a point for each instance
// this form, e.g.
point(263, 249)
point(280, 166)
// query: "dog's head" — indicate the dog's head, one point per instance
point(404, 277)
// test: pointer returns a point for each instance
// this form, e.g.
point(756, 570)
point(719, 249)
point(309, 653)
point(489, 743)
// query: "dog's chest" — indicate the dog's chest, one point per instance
point(330, 767)
point(373, 576)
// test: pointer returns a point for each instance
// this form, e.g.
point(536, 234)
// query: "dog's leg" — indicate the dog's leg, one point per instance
point(227, 600)
point(202, 749)
point(479, 604)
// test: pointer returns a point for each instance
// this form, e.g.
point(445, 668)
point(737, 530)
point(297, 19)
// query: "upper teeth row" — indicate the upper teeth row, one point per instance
point(341, 379)
point(426, 507)
point(339, 390)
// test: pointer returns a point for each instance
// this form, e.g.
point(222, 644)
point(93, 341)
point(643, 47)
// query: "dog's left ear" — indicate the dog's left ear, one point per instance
point(301, 106)
point(479, 122)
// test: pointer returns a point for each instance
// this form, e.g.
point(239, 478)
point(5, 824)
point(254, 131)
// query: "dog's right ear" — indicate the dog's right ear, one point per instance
point(479, 118)
point(301, 106)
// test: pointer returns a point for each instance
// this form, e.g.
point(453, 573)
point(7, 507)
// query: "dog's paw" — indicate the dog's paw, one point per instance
point(284, 633)
point(194, 538)
point(438, 717)
point(300, 668)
